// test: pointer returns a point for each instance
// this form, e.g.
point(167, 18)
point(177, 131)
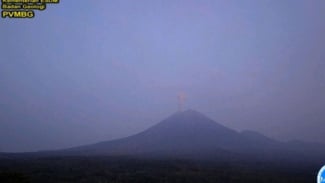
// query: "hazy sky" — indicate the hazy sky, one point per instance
point(84, 71)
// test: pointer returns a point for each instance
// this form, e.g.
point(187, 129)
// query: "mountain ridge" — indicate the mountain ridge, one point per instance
point(186, 133)
point(193, 135)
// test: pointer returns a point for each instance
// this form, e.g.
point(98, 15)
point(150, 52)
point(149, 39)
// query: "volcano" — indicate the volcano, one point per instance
point(192, 135)
point(187, 133)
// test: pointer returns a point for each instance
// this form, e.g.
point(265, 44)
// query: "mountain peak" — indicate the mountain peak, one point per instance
point(189, 111)
point(184, 132)
point(192, 118)
point(186, 119)
point(187, 125)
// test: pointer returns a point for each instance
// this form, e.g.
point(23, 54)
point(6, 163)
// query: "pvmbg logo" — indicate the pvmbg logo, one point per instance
point(321, 175)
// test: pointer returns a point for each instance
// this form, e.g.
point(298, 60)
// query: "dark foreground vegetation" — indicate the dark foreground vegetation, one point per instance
point(131, 170)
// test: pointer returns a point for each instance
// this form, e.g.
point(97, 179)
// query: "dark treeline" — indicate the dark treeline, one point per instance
point(127, 170)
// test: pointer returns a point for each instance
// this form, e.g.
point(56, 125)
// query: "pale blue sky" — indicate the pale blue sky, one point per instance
point(86, 71)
